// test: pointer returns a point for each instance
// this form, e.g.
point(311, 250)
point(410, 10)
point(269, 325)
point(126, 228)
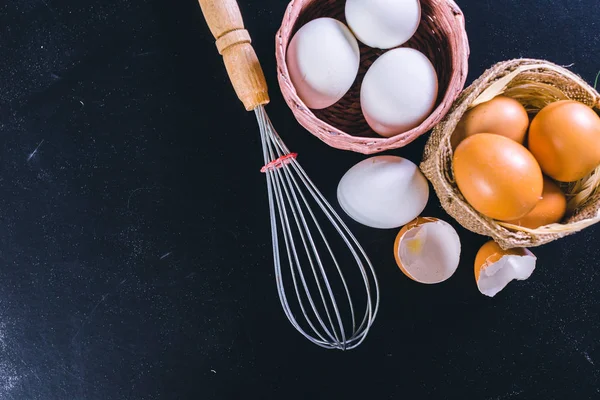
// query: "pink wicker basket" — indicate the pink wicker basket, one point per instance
point(441, 36)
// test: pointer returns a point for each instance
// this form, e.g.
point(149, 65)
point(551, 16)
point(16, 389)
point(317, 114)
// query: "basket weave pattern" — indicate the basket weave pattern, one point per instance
point(441, 37)
point(556, 83)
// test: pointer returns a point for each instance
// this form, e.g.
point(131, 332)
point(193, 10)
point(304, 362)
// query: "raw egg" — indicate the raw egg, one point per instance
point(565, 139)
point(497, 176)
point(383, 24)
point(549, 210)
point(427, 250)
point(383, 192)
point(398, 91)
point(323, 59)
point(502, 115)
point(495, 267)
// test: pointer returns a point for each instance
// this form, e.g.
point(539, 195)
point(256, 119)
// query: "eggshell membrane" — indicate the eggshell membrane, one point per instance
point(502, 115)
point(549, 210)
point(492, 263)
point(565, 139)
point(497, 176)
point(443, 235)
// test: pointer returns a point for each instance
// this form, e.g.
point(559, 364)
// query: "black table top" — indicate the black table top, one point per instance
point(135, 253)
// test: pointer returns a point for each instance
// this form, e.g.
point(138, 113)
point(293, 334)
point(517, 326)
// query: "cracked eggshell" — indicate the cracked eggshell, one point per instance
point(383, 192)
point(427, 250)
point(495, 268)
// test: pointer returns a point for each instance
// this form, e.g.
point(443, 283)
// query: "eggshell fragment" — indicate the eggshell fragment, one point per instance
point(383, 24)
point(427, 250)
point(398, 91)
point(383, 192)
point(323, 59)
point(495, 268)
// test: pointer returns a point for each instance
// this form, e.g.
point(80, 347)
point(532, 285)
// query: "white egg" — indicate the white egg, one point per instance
point(323, 59)
point(383, 192)
point(399, 91)
point(383, 24)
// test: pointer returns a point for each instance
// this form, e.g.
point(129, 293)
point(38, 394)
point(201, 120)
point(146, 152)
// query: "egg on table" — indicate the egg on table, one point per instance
point(323, 58)
point(383, 24)
point(497, 176)
point(383, 192)
point(565, 139)
point(399, 91)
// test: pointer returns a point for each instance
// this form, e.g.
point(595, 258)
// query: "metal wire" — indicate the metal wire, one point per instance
point(330, 319)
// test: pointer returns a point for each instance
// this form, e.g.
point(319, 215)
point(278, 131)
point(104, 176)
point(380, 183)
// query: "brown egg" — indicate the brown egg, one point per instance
point(497, 176)
point(502, 115)
point(565, 139)
point(549, 210)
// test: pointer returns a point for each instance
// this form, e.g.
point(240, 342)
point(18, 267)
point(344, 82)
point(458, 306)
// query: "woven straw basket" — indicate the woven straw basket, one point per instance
point(534, 83)
point(441, 37)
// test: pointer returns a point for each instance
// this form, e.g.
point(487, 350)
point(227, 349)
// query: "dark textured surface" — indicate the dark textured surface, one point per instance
point(134, 241)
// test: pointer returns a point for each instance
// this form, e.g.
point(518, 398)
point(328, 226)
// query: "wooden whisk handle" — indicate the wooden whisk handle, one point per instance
point(234, 44)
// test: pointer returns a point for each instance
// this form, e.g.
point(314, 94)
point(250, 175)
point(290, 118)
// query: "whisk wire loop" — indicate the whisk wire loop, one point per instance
point(292, 255)
point(287, 183)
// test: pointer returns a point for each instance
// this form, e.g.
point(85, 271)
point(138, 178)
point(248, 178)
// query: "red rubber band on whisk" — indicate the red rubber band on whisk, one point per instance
point(279, 162)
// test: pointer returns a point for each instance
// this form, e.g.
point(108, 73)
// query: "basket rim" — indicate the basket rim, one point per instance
point(339, 139)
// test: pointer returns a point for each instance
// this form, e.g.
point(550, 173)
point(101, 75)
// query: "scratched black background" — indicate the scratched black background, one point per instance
point(135, 258)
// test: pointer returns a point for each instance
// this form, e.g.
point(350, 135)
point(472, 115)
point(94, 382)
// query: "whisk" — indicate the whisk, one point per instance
point(323, 305)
